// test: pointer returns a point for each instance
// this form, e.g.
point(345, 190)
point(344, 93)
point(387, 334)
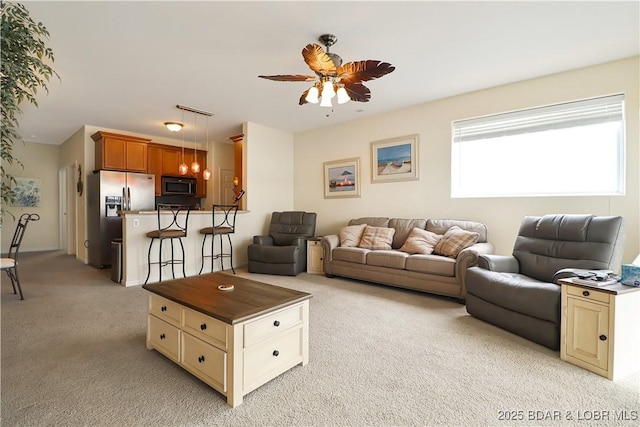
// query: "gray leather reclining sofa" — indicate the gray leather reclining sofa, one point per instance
point(520, 293)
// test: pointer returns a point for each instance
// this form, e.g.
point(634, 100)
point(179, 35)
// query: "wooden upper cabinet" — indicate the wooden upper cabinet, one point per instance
point(120, 152)
point(166, 159)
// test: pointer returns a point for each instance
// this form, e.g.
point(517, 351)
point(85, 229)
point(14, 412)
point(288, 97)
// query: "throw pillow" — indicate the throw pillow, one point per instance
point(454, 241)
point(350, 235)
point(377, 238)
point(420, 241)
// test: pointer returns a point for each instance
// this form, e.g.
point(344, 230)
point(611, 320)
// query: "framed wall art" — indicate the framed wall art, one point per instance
point(395, 159)
point(342, 178)
point(27, 192)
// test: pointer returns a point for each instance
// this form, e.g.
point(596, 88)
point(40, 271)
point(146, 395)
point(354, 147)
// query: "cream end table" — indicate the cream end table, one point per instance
point(600, 328)
point(315, 255)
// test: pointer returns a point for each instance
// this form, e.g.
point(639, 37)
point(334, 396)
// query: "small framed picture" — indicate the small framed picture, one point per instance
point(342, 178)
point(395, 159)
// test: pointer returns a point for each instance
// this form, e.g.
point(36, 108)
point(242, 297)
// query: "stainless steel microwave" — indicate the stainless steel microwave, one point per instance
point(178, 186)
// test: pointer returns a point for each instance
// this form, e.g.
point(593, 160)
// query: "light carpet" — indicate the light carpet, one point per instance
point(73, 354)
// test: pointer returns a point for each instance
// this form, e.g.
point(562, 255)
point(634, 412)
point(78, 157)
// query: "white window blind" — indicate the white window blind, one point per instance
point(574, 148)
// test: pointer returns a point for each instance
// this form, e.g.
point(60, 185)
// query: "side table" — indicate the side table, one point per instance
point(315, 255)
point(599, 328)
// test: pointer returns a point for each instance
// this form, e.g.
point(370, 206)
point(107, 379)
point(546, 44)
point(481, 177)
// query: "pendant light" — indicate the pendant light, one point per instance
point(183, 168)
point(195, 166)
point(206, 174)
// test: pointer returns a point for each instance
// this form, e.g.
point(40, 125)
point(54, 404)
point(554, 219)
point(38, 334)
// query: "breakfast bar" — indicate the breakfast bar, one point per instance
point(135, 245)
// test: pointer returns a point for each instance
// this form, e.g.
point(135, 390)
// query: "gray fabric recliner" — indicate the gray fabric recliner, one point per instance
point(520, 293)
point(284, 250)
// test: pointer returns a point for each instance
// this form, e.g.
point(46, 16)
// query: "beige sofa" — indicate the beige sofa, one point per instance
point(395, 266)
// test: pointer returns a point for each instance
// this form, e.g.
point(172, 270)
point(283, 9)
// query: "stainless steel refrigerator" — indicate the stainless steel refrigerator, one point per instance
point(107, 193)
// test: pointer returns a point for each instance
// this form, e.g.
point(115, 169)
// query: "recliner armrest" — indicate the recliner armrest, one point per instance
point(263, 240)
point(501, 263)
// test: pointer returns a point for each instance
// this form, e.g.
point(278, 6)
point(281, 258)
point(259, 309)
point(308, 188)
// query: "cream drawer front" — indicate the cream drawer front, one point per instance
point(590, 294)
point(206, 328)
point(205, 361)
point(163, 337)
point(270, 358)
point(165, 309)
point(272, 324)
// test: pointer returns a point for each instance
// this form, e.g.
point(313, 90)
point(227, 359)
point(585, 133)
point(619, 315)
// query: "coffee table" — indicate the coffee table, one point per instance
point(234, 340)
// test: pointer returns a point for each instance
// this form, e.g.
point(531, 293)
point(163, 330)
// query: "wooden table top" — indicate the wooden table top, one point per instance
point(248, 299)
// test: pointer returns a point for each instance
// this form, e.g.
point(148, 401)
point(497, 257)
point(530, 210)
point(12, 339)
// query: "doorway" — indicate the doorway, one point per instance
point(226, 186)
point(67, 208)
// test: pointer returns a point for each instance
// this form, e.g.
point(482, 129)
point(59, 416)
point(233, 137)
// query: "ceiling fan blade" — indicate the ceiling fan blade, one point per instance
point(303, 100)
point(362, 71)
point(358, 92)
point(318, 60)
point(290, 78)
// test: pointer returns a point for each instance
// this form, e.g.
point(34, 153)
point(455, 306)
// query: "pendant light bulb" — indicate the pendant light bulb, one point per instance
point(195, 167)
point(183, 168)
point(206, 174)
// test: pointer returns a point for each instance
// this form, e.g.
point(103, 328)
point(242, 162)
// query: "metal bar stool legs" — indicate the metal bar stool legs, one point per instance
point(176, 229)
point(226, 226)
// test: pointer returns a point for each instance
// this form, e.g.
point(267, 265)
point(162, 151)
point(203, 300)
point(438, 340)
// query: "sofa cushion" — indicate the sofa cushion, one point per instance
point(390, 258)
point(377, 238)
point(432, 264)
point(516, 292)
point(350, 235)
point(455, 240)
point(420, 242)
point(440, 226)
point(374, 221)
point(357, 255)
point(403, 228)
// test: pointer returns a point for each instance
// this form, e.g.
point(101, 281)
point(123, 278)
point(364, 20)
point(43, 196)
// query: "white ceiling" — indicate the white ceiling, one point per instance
point(125, 65)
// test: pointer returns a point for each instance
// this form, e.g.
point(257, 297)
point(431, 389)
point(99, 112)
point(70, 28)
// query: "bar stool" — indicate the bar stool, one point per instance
point(226, 226)
point(175, 228)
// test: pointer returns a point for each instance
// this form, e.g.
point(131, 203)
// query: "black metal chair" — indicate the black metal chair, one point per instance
point(226, 226)
point(10, 263)
point(170, 226)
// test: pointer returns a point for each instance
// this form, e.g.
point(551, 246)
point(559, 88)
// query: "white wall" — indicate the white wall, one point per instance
point(429, 197)
point(40, 161)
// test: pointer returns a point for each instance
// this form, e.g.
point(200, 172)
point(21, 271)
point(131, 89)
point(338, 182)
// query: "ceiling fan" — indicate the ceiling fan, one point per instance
point(332, 78)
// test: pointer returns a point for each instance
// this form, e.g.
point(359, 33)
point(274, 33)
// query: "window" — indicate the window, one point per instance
point(576, 148)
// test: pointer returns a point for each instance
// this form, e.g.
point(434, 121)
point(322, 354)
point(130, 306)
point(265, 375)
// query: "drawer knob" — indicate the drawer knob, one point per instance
point(203, 326)
point(276, 324)
point(603, 337)
point(276, 353)
point(586, 293)
point(163, 308)
point(162, 336)
point(200, 359)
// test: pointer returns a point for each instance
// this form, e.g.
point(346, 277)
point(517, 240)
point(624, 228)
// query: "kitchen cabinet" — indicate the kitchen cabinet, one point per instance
point(166, 159)
point(120, 152)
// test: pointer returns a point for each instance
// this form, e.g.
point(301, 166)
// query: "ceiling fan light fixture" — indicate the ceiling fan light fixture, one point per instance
point(328, 90)
point(174, 126)
point(312, 95)
point(342, 95)
point(325, 101)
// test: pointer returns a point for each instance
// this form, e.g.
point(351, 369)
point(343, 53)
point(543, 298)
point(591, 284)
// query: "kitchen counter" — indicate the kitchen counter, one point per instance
point(135, 246)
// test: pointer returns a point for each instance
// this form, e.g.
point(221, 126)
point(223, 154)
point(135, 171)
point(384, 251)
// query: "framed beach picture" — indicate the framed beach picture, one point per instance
point(342, 178)
point(395, 159)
